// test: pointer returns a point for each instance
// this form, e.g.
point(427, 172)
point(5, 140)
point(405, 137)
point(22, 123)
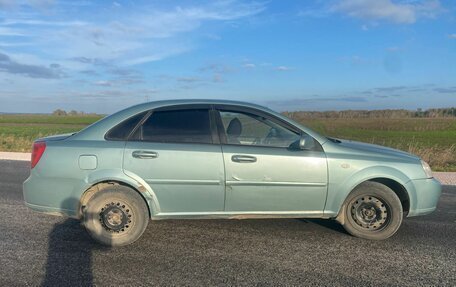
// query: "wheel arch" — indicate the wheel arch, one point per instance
point(388, 176)
point(398, 189)
point(105, 178)
point(99, 186)
point(394, 185)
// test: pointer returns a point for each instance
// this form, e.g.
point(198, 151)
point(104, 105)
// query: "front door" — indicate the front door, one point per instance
point(175, 153)
point(265, 172)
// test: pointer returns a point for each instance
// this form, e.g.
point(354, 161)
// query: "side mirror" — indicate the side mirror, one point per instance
point(306, 142)
point(302, 143)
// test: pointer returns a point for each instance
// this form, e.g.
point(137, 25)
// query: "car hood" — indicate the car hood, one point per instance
point(376, 149)
point(56, 137)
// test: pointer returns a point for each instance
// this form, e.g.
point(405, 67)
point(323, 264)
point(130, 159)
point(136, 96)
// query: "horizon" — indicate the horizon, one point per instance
point(80, 113)
point(316, 55)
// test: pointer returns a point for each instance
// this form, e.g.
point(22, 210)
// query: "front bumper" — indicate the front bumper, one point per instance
point(424, 195)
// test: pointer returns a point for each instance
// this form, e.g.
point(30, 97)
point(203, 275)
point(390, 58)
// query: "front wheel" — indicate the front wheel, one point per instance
point(116, 216)
point(372, 211)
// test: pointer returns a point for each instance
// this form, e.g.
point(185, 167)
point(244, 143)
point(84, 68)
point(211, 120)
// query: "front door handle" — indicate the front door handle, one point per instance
point(143, 154)
point(243, 158)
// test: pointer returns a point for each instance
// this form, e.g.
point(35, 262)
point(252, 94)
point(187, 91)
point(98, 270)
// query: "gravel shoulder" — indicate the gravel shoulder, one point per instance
point(22, 156)
point(446, 178)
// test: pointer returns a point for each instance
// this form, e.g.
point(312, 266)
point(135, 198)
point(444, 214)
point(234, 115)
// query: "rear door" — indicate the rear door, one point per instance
point(176, 151)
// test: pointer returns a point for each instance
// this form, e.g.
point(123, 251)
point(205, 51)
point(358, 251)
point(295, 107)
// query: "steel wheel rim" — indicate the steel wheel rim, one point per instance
point(116, 217)
point(370, 213)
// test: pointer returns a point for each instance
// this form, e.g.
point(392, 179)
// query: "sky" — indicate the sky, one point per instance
point(103, 56)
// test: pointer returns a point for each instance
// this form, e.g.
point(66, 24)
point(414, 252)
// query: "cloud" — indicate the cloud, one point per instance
point(390, 89)
point(160, 54)
point(124, 72)
point(119, 75)
point(398, 12)
point(188, 79)
point(216, 68)
point(315, 100)
point(103, 83)
point(15, 44)
point(213, 37)
point(283, 68)
point(387, 96)
point(31, 22)
point(134, 37)
point(451, 90)
point(33, 3)
point(217, 71)
point(452, 36)
point(89, 72)
point(393, 49)
point(313, 13)
point(92, 61)
point(249, 65)
point(393, 91)
point(355, 60)
point(8, 65)
point(190, 82)
point(7, 3)
point(120, 81)
point(7, 31)
point(151, 35)
point(217, 78)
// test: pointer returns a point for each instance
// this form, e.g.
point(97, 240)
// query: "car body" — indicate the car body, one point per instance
point(220, 159)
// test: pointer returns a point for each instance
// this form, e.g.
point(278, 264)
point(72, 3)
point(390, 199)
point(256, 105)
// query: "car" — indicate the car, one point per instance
point(184, 159)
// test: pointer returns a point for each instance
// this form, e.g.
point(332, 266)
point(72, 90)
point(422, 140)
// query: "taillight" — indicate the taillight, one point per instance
point(37, 152)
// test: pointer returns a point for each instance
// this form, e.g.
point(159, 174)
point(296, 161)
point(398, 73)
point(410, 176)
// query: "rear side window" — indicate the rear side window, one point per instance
point(176, 126)
point(123, 130)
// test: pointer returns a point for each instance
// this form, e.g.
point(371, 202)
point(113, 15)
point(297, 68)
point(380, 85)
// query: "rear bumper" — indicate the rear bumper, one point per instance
point(50, 196)
point(425, 197)
point(47, 209)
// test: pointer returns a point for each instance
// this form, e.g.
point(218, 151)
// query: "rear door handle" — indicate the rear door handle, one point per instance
point(143, 154)
point(243, 158)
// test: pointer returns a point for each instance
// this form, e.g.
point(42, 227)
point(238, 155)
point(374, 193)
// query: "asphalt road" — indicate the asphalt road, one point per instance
point(41, 249)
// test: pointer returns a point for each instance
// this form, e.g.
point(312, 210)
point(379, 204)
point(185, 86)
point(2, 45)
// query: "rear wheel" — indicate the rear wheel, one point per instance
point(116, 216)
point(372, 211)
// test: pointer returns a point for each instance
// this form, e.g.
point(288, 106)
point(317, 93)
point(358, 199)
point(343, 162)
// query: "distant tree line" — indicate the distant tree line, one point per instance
point(350, 114)
point(60, 112)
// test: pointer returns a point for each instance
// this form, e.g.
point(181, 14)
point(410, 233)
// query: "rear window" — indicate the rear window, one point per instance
point(176, 126)
point(123, 130)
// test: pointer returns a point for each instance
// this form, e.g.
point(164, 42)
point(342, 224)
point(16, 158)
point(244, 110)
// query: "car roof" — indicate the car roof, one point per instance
point(164, 103)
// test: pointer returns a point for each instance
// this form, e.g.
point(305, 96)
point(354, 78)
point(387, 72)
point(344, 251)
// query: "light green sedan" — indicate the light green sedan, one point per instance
point(221, 159)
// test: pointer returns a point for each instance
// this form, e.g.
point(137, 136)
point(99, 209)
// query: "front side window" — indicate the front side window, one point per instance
point(176, 126)
point(248, 129)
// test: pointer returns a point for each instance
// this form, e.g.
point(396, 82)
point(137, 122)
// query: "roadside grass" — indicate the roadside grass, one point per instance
point(48, 119)
point(18, 131)
point(433, 139)
point(20, 138)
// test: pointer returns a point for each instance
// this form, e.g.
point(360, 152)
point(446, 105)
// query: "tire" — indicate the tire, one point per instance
point(372, 211)
point(116, 216)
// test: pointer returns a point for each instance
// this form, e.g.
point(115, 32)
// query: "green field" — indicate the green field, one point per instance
point(17, 132)
point(434, 139)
